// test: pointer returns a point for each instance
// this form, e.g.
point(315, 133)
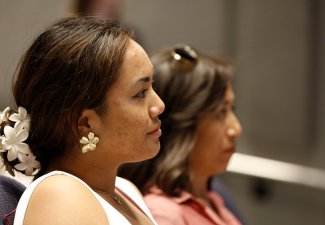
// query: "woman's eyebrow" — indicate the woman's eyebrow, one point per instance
point(141, 81)
point(144, 79)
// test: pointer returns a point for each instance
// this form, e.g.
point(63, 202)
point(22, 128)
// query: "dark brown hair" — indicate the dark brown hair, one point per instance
point(68, 68)
point(190, 86)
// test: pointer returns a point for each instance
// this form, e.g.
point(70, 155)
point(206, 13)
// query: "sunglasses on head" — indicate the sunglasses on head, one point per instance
point(184, 56)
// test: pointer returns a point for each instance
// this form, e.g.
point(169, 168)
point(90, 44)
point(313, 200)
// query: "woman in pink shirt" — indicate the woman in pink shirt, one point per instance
point(200, 130)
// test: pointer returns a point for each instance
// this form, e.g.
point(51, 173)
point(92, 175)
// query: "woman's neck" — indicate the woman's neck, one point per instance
point(96, 176)
point(200, 190)
point(199, 185)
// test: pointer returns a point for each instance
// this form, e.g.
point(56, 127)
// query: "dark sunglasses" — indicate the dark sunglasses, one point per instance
point(184, 56)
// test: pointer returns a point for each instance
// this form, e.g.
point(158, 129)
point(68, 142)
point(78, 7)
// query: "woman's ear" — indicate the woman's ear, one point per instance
point(89, 121)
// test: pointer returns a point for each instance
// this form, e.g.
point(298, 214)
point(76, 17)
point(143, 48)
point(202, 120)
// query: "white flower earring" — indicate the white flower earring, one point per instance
point(90, 142)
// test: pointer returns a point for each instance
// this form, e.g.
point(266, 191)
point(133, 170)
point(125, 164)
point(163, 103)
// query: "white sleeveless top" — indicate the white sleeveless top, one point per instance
point(113, 216)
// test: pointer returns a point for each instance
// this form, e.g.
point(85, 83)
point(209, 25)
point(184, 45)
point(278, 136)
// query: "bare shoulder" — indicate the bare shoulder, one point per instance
point(60, 199)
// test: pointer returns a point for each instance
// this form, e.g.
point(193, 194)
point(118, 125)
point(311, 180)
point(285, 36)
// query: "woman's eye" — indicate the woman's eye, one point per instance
point(141, 94)
point(222, 113)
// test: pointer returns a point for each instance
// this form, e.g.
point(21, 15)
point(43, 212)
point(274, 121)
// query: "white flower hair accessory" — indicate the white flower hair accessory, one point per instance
point(90, 142)
point(4, 117)
point(21, 118)
point(13, 142)
point(15, 133)
point(29, 164)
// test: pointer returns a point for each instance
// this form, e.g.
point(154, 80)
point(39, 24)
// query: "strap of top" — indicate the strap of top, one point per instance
point(131, 200)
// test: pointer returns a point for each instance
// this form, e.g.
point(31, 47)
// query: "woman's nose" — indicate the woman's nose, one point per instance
point(235, 129)
point(157, 107)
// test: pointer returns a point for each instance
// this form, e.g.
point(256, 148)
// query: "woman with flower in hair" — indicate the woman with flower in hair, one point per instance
point(200, 130)
point(85, 106)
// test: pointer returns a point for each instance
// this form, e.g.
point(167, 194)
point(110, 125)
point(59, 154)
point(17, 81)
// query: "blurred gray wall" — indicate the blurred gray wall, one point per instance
point(20, 21)
point(279, 51)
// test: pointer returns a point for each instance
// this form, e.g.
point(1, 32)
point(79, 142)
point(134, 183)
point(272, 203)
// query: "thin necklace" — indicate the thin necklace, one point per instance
point(117, 199)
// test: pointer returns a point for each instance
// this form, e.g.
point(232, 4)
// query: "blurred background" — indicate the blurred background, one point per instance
point(277, 176)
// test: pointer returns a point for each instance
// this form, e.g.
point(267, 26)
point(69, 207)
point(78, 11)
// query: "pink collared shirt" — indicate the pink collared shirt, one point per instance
point(187, 210)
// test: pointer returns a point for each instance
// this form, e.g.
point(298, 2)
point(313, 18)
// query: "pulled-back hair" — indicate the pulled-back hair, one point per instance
point(191, 85)
point(68, 68)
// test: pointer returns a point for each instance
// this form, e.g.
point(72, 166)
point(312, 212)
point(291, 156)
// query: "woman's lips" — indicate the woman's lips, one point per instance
point(156, 133)
point(231, 150)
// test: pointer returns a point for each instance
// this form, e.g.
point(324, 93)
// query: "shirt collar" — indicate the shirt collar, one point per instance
point(182, 198)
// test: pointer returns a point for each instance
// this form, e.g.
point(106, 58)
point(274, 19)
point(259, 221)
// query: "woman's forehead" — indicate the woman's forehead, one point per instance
point(136, 63)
